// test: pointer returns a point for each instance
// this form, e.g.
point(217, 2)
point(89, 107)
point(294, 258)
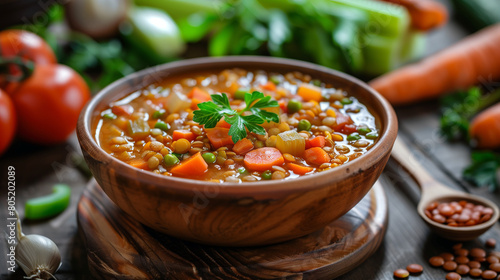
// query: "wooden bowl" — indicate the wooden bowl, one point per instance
point(244, 214)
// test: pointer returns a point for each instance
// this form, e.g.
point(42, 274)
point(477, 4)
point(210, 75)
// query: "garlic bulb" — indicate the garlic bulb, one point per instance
point(37, 255)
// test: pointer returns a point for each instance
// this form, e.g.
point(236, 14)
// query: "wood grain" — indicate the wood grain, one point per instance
point(119, 247)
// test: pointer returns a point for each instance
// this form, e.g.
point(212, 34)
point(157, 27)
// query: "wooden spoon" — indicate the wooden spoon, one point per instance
point(432, 191)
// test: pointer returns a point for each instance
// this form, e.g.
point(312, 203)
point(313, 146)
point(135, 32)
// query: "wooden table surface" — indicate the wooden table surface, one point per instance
point(408, 240)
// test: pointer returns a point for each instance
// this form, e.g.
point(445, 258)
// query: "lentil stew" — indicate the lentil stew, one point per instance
point(304, 126)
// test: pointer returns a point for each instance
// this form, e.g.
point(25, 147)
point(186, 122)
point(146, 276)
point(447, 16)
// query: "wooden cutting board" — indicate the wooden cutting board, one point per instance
point(119, 247)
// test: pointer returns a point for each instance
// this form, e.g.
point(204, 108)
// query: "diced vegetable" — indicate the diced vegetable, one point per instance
point(318, 141)
point(219, 137)
point(193, 166)
point(223, 123)
point(197, 96)
point(309, 92)
point(138, 128)
point(263, 159)
point(299, 169)
point(291, 142)
point(50, 205)
point(240, 94)
point(162, 125)
point(122, 110)
point(139, 163)
point(304, 125)
point(160, 114)
point(269, 86)
point(353, 137)
point(243, 146)
point(316, 156)
point(267, 175)
point(183, 134)
point(177, 102)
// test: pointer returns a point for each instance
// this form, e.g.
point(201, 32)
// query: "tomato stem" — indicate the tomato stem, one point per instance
point(26, 68)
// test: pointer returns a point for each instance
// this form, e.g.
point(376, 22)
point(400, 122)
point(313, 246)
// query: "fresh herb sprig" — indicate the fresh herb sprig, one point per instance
point(211, 112)
point(484, 170)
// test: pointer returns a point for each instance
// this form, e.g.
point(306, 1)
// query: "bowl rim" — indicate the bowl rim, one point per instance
point(187, 186)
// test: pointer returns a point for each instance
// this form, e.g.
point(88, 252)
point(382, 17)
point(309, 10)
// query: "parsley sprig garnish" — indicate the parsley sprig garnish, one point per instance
point(211, 112)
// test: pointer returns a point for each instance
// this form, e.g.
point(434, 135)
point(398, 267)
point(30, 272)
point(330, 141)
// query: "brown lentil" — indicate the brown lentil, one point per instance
point(414, 268)
point(450, 266)
point(477, 253)
point(462, 260)
point(436, 261)
point(492, 259)
point(474, 264)
point(491, 243)
point(401, 273)
point(462, 252)
point(475, 272)
point(495, 267)
point(463, 269)
point(447, 256)
point(453, 276)
point(489, 274)
point(458, 213)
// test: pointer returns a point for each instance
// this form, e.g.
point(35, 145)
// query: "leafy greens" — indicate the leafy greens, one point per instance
point(484, 169)
point(211, 112)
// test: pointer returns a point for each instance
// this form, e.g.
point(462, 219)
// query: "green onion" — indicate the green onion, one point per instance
point(304, 125)
point(170, 159)
point(209, 157)
point(50, 205)
point(267, 175)
point(293, 106)
point(162, 125)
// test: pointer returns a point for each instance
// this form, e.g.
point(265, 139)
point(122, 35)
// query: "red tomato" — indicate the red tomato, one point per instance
point(26, 45)
point(48, 103)
point(7, 121)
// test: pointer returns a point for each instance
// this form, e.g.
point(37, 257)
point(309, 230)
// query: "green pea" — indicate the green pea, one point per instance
point(170, 160)
point(159, 114)
point(240, 93)
point(364, 130)
point(353, 137)
point(209, 157)
point(267, 175)
point(242, 170)
point(109, 116)
point(304, 125)
point(275, 79)
point(162, 125)
point(316, 82)
point(372, 135)
point(293, 106)
point(346, 101)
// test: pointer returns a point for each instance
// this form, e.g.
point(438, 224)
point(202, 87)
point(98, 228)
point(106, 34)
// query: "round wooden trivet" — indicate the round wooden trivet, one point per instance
point(119, 247)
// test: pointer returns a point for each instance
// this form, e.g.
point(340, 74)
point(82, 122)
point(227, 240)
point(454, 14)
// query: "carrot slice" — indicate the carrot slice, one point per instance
point(309, 92)
point(193, 166)
point(316, 156)
point(219, 137)
point(299, 169)
point(139, 163)
point(263, 159)
point(243, 146)
point(197, 96)
point(318, 141)
point(269, 86)
point(485, 128)
point(183, 134)
point(122, 110)
point(223, 123)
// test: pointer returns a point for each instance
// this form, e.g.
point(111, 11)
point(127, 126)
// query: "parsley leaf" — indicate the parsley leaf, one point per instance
point(211, 112)
point(483, 170)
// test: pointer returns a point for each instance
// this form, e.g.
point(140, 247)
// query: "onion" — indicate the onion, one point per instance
point(96, 18)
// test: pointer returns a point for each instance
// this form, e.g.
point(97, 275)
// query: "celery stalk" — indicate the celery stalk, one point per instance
point(380, 54)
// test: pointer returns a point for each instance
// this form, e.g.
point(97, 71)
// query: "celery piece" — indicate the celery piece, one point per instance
point(138, 128)
point(346, 37)
point(181, 9)
point(49, 205)
point(291, 142)
point(176, 102)
point(384, 19)
point(380, 54)
point(413, 46)
point(154, 32)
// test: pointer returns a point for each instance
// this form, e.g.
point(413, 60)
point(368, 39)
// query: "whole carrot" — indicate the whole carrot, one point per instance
point(468, 62)
point(485, 128)
point(424, 14)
